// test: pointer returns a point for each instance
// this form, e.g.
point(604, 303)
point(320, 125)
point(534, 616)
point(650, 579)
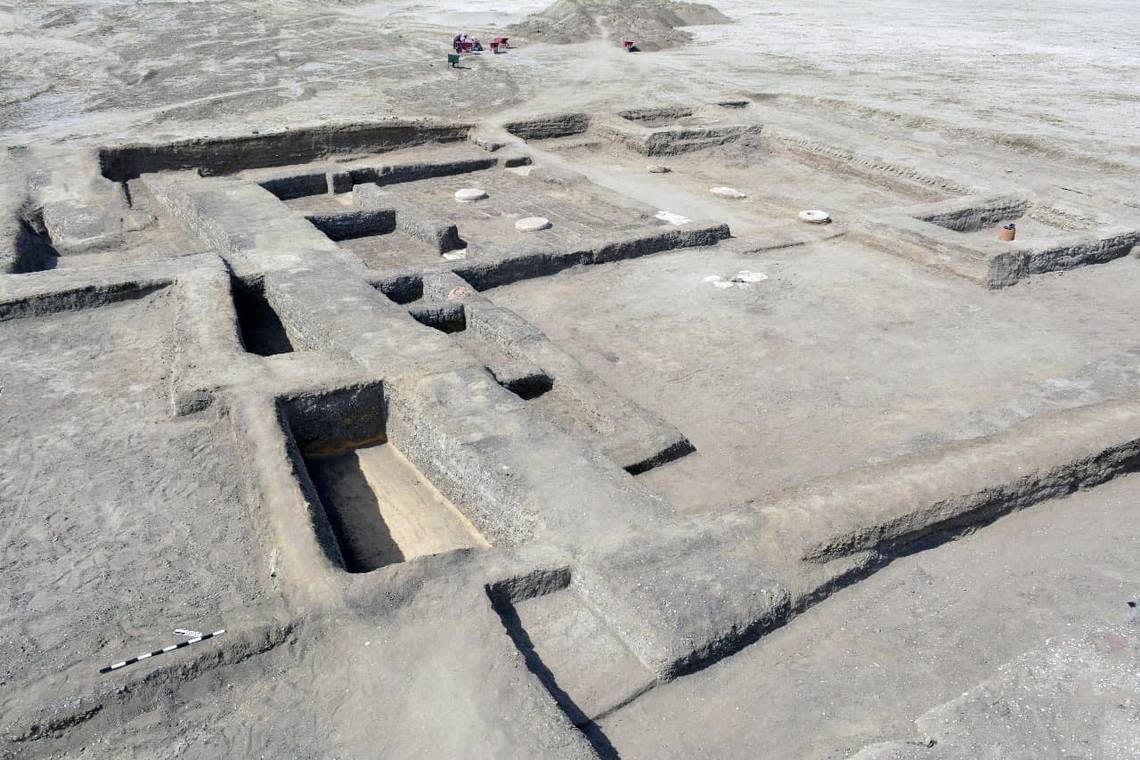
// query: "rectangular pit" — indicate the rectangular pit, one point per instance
point(975, 218)
point(261, 330)
point(358, 223)
point(383, 510)
point(549, 127)
point(380, 508)
point(656, 117)
point(33, 250)
point(961, 236)
point(427, 222)
point(291, 183)
point(779, 179)
point(445, 316)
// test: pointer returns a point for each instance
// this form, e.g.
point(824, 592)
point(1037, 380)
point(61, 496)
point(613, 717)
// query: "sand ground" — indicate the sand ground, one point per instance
point(119, 519)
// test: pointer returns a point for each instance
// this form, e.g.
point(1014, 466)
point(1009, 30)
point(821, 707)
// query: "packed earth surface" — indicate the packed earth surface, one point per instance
point(651, 379)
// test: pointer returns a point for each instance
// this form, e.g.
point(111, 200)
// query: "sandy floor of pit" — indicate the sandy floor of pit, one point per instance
point(384, 511)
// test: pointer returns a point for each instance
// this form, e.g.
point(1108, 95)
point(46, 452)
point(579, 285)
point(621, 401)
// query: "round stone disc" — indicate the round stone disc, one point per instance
point(727, 192)
point(469, 194)
point(815, 216)
point(532, 224)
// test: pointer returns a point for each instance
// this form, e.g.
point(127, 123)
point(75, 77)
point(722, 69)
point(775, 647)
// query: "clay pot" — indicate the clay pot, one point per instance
point(1007, 234)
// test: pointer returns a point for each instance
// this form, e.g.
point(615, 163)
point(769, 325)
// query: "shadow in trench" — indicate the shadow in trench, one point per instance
point(534, 663)
point(353, 512)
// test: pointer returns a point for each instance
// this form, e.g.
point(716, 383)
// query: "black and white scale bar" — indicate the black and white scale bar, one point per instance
point(164, 650)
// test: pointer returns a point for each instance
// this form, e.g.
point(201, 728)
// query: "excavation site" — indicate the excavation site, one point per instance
point(594, 379)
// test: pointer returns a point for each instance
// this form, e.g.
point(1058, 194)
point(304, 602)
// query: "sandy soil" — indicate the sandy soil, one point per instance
point(120, 521)
point(1030, 70)
point(105, 545)
point(831, 363)
point(860, 667)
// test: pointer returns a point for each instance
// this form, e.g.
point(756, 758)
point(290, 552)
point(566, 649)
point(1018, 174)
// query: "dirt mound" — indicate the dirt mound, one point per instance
point(653, 24)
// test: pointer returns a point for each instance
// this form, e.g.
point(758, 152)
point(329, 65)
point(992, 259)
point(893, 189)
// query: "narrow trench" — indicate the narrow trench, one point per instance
point(34, 249)
point(530, 387)
point(681, 448)
point(447, 317)
point(355, 224)
point(372, 505)
point(514, 628)
point(403, 290)
point(381, 508)
point(262, 332)
point(353, 511)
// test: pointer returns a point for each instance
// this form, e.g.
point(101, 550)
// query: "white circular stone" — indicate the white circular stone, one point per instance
point(470, 194)
point(532, 224)
point(658, 169)
point(748, 277)
point(815, 216)
point(727, 192)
